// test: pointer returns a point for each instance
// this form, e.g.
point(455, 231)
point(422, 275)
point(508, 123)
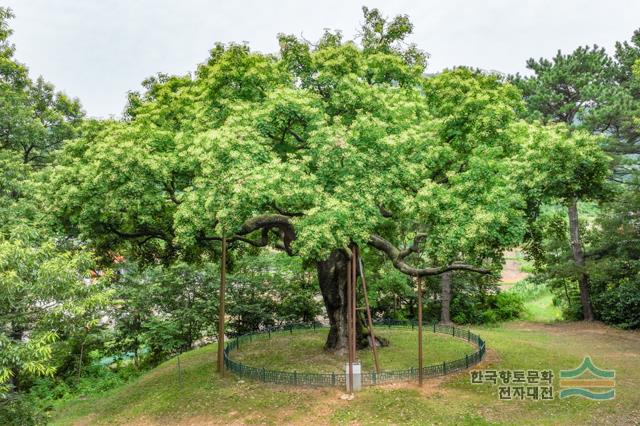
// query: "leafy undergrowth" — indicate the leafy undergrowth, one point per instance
point(303, 351)
point(199, 396)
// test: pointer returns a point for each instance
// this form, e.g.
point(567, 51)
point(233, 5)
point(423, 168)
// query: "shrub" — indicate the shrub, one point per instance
point(620, 305)
point(508, 306)
point(485, 309)
point(17, 410)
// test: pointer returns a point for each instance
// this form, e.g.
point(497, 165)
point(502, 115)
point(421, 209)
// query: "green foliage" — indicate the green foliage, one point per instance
point(528, 289)
point(620, 304)
point(561, 165)
point(17, 410)
point(34, 119)
point(486, 308)
point(330, 132)
point(159, 311)
point(270, 289)
point(615, 261)
point(564, 89)
point(46, 293)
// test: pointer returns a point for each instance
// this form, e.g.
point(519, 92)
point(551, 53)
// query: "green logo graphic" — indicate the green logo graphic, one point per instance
point(597, 379)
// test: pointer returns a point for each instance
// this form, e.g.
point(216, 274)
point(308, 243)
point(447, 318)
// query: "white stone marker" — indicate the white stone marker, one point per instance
point(357, 376)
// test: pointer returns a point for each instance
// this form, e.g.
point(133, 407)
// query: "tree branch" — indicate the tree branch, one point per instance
point(265, 223)
point(414, 247)
point(396, 258)
point(138, 234)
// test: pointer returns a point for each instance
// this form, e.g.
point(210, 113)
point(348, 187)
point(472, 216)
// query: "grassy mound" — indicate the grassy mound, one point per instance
point(303, 351)
point(200, 396)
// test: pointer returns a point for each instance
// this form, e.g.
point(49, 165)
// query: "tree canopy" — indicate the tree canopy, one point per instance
point(311, 150)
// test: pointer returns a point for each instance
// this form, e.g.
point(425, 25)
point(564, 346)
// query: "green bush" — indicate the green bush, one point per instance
point(620, 305)
point(508, 306)
point(486, 309)
point(17, 410)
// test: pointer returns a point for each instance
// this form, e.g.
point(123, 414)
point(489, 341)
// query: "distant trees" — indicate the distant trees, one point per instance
point(34, 119)
point(590, 91)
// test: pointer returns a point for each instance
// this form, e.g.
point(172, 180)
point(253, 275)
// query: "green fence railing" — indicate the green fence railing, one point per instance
point(369, 378)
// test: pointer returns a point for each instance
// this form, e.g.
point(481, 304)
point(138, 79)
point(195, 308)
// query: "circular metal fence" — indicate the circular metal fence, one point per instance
point(370, 378)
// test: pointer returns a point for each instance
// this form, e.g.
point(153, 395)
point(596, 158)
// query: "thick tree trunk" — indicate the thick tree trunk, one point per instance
point(578, 258)
point(445, 297)
point(332, 276)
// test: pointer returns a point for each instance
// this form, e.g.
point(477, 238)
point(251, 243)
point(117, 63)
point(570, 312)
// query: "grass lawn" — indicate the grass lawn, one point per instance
point(542, 309)
point(203, 397)
point(303, 351)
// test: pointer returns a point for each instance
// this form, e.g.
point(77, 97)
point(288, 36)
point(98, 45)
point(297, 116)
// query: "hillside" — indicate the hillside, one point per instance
point(199, 396)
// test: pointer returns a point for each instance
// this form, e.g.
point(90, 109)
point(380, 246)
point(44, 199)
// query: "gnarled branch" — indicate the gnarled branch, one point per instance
point(396, 258)
point(265, 223)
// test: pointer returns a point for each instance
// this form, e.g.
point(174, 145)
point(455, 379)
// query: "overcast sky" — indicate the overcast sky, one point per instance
point(97, 50)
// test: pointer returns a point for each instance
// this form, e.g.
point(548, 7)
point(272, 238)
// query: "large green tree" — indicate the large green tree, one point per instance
point(307, 151)
point(564, 166)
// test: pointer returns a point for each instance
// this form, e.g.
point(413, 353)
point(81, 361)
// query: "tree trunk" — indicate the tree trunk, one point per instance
point(578, 258)
point(445, 317)
point(332, 276)
point(16, 334)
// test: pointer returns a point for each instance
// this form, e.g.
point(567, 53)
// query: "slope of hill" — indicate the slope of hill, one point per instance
point(196, 395)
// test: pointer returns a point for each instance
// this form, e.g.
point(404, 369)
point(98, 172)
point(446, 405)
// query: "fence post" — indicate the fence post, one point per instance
point(466, 360)
point(468, 335)
point(264, 375)
point(238, 342)
point(434, 327)
point(453, 331)
point(295, 377)
point(444, 367)
point(375, 378)
point(290, 329)
point(411, 325)
point(333, 378)
point(269, 332)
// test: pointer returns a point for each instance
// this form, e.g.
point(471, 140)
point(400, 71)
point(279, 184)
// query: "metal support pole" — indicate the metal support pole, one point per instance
point(370, 321)
point(420, 331)
point(223, 278)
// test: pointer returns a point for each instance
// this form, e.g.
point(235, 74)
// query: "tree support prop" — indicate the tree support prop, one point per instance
point(223, 278)
point(368, 309)
point(420, 372)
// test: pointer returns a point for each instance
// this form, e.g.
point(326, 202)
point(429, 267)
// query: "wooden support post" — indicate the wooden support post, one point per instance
point(223, 278)
point(349, 326)
point(369, 319)
point(354, 303)
point(420, 331)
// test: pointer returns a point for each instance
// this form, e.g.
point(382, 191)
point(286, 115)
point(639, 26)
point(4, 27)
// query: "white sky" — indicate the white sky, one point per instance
point(97, 50)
